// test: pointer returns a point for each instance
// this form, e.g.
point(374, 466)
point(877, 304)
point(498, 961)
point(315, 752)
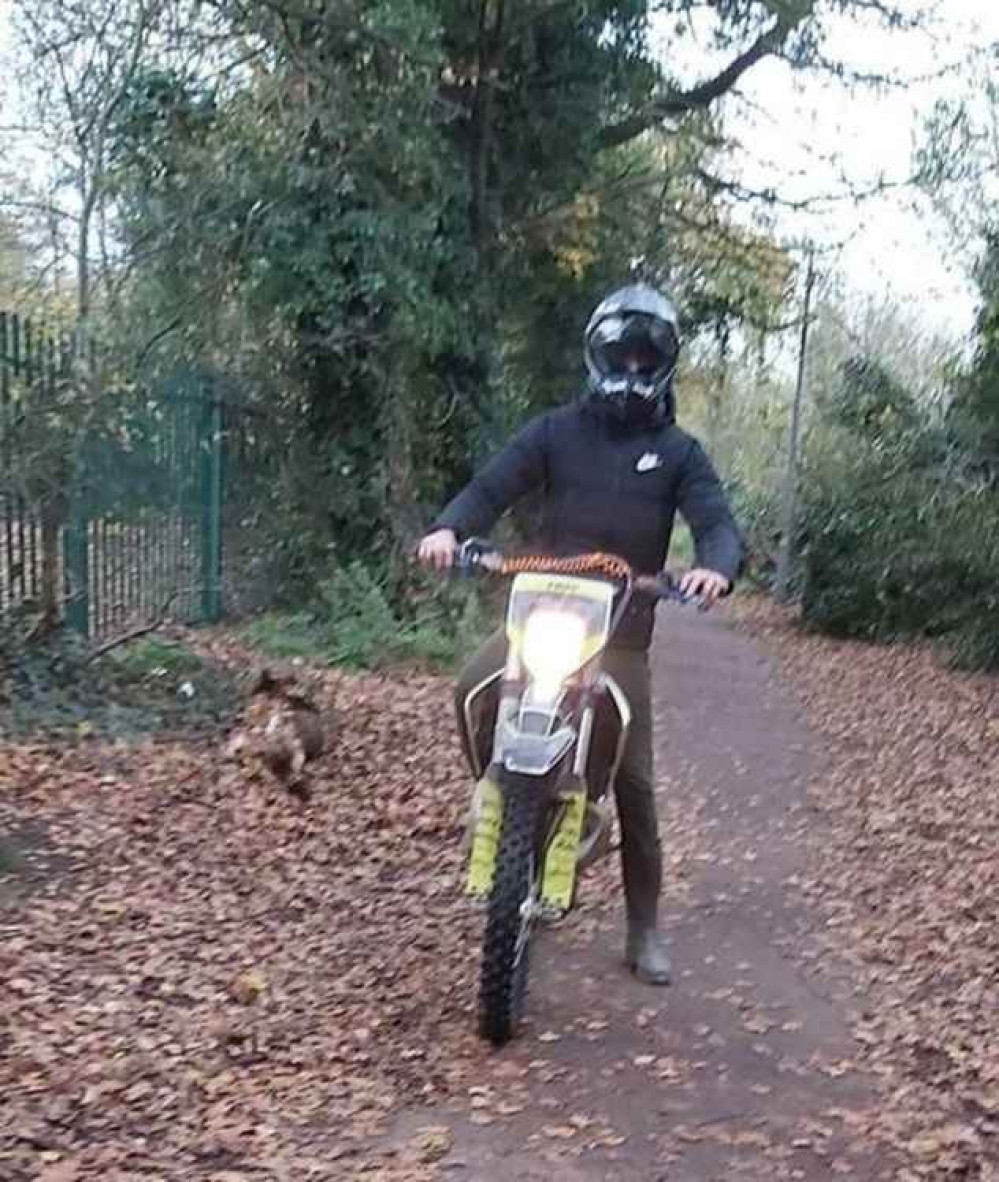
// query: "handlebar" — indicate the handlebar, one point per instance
point(477, 555)
point(666, 588)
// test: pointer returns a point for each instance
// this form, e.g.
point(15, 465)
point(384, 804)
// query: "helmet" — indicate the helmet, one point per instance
point(632, 347)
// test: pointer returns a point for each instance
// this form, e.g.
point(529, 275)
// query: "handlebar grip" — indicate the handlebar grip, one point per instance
point(667, 587)
point(474, 554)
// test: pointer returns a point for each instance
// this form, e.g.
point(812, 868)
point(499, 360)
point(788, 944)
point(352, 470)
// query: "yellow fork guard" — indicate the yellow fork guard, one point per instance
point(560, 864)
point(559, 876)
point(485, 838)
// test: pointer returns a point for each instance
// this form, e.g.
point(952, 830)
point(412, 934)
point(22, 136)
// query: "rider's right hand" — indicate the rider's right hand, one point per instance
point(438, 550)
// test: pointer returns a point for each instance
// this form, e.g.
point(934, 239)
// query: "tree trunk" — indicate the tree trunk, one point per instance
point(789, 490)
point(490, 38)
point(402, 504)
point(718, 395)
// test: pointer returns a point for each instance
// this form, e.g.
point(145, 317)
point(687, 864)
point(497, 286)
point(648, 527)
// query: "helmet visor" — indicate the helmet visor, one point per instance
point(633, 345)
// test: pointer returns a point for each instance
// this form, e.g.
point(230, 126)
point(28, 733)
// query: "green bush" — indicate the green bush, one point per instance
point(897, 532)
point(355, 622)
point(756, 511)
point(903, 554)
point(681, 546)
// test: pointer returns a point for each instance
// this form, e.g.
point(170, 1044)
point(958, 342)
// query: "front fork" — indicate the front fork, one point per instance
point(559, 851)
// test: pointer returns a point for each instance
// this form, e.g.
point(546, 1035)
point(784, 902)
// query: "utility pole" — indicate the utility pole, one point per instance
point(789, 490)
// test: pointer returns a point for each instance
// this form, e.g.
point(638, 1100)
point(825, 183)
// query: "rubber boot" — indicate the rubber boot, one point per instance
point(646, 948)
point(646, 956)
point(645, 951)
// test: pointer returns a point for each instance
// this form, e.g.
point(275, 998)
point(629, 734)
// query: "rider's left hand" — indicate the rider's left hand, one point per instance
point(708, 584)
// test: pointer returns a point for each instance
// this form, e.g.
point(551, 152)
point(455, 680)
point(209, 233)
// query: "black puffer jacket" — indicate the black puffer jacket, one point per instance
point(606, 488)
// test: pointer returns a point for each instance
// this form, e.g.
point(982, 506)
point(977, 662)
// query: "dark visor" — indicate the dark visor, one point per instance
point(628, 357)
point(633, 344)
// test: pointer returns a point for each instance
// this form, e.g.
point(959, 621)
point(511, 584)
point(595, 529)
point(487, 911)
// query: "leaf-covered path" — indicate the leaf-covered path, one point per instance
point(209, 981)
point(744, 1068)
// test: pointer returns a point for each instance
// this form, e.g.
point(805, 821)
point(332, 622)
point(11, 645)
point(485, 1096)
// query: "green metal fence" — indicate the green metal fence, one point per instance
point(133, 510)
point(20, 553)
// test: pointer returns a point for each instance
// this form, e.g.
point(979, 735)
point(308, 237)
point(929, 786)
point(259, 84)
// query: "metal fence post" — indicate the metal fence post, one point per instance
point(76, 557)
point(211, 503)
point(75, 522)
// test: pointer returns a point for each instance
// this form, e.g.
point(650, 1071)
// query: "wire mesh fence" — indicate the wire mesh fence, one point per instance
point(116, 509)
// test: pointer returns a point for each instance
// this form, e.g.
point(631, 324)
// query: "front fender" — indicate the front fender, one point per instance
point(531, 755)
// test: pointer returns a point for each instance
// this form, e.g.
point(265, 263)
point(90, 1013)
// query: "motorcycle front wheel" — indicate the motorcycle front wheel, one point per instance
point(511, 912)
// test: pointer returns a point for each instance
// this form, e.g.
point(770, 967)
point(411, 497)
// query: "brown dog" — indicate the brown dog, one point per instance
point(293, 734)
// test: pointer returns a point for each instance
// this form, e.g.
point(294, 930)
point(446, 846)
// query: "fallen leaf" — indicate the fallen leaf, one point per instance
point(433, 1143)
point(945, 1137)
point(248, 986)
point(65, 1170)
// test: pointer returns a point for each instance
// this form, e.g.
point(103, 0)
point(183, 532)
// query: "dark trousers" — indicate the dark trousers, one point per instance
point(641, 851)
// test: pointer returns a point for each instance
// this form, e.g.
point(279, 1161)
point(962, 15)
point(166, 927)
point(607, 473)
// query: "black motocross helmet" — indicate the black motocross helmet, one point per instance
point(632, 348)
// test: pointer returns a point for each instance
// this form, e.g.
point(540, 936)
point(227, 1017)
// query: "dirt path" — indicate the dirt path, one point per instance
point(743, 1068)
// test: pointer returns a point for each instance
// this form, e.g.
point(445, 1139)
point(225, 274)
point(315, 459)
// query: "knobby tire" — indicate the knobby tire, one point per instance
point(503, 981)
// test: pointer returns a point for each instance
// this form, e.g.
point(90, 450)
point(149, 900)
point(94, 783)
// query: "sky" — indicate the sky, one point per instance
point(795, 124)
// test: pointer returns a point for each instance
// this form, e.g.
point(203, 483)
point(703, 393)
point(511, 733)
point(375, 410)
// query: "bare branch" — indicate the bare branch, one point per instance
point(40, 207)
point(161, 334)
point(715, 184)
point(134, 633)
point(701, 96)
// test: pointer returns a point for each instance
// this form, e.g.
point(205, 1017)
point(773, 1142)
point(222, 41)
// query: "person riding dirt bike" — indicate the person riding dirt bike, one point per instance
point(613, 469)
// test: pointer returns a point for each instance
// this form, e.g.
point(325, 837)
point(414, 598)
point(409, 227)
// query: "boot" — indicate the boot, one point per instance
point(646, 956)
point(642, 867)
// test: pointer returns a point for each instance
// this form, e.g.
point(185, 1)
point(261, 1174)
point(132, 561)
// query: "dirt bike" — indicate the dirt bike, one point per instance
point(545, 737)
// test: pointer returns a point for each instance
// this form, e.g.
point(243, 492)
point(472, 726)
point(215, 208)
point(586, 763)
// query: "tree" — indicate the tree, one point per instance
point(384, 222)
point(13, 260)
point(959, 160)
point(306, 237)
point(959, 156)
point(79, 63)
point(974, 415)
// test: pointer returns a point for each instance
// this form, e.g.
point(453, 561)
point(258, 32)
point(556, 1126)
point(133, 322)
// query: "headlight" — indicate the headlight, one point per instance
point(552, 646)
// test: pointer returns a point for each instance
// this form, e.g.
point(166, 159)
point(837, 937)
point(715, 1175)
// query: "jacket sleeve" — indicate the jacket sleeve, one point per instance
point(704, 506)
point(518, 469)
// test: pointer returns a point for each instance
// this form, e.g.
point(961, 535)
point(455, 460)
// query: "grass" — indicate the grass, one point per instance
point(151, 659)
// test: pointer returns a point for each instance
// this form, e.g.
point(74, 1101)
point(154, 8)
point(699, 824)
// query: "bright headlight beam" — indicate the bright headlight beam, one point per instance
point(552, 646)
